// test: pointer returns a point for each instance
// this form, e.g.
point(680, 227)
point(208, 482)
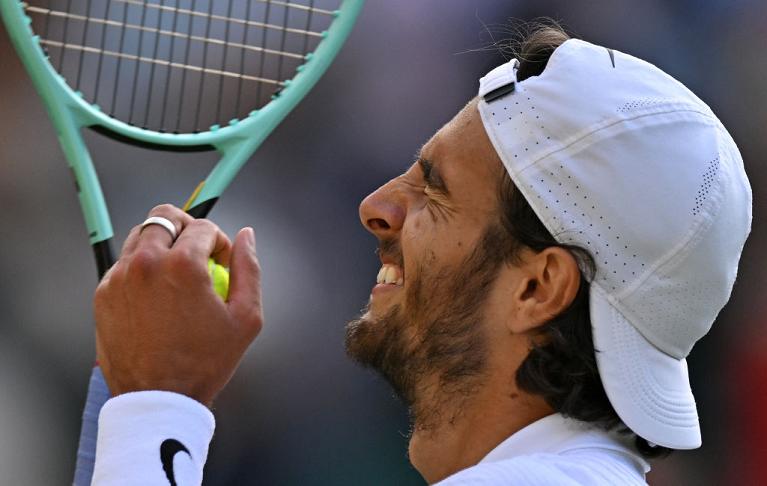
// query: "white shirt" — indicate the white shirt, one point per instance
point(148, 437)
point(557, 451)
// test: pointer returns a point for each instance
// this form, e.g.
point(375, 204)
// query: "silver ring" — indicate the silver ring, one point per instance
point(160, 221)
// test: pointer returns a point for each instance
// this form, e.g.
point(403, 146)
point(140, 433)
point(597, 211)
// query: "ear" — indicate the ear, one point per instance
point(547, 283)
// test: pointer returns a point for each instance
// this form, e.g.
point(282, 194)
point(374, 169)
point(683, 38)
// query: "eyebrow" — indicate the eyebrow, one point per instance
point(432, 176)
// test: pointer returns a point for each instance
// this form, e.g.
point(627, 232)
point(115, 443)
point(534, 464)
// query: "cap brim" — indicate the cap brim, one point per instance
point(649, 389)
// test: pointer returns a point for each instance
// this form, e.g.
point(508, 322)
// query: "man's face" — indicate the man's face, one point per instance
point(441, 246)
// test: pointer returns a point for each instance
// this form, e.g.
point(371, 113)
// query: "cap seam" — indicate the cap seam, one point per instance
point(604, 125)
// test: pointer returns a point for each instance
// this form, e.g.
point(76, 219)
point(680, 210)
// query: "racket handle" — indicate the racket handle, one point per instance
point(98, 394)
point(202, 209)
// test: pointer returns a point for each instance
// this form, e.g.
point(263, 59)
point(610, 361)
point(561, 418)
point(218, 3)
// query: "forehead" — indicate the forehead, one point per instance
point(462, 148)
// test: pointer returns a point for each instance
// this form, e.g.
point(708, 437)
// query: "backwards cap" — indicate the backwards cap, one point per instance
point(618, 157)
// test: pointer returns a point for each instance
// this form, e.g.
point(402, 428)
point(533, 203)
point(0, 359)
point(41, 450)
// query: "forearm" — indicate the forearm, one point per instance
point(150, 438)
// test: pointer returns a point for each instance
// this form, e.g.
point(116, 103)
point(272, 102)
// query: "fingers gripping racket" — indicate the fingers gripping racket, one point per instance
point(177, 75)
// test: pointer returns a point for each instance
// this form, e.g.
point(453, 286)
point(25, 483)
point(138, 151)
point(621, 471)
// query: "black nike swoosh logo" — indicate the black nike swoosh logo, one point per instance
point(168, 449)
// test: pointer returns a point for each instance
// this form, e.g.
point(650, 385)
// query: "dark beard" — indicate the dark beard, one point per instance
point(441, 342)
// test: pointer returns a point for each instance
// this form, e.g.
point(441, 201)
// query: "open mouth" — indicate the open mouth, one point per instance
point(390, 275)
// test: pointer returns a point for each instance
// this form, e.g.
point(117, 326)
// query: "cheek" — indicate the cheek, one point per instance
point(427, 242)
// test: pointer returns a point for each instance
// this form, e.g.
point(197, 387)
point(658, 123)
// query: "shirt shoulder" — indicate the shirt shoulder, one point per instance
point(577, 468)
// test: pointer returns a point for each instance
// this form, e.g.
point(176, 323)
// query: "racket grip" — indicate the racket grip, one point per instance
point(98, 394)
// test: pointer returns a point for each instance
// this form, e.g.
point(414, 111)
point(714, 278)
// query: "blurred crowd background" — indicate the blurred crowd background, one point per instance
point(298, 412)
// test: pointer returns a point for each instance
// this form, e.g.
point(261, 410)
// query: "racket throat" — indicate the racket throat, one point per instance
point(201, 210)
point(102, 250)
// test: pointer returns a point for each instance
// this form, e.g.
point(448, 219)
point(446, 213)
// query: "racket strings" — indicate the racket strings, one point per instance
point(179, 65)
point(173, 34)
point(150, 60)
point(211, 16)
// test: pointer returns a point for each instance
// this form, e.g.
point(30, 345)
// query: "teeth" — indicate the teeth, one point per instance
point(390, 274)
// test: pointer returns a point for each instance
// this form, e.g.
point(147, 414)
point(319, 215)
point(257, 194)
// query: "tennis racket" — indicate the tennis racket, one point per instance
point(176, 75)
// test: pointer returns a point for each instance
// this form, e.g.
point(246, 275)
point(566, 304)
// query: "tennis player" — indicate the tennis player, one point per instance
point(547, 264)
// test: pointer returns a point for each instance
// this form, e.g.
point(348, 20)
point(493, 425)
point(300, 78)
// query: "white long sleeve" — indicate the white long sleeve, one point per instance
point(152, 438)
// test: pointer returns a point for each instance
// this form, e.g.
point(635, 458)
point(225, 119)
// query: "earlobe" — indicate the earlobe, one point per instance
point(522, 318)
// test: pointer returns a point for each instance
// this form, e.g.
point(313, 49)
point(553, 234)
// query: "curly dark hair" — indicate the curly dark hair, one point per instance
point(563, 369)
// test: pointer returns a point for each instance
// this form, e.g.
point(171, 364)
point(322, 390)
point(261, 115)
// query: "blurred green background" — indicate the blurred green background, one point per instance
point(298, 412)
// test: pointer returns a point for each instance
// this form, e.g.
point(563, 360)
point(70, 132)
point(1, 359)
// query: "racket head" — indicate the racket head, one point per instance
point(72, 95)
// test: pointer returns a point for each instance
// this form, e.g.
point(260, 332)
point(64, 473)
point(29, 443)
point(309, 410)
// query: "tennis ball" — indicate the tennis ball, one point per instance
point(220, 278)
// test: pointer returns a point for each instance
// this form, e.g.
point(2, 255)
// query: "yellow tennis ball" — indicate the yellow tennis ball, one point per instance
point(220, 278)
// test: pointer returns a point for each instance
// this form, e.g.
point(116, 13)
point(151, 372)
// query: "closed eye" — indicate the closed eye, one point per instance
point(435, 189)
point(432, 179)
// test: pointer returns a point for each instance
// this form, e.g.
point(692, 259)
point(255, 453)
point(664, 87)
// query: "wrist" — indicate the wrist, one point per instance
point(197, 390)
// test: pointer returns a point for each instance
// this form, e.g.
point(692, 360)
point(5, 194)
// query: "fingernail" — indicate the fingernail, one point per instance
point(251, 238)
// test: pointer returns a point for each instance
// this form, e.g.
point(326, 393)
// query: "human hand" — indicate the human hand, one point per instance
point(159, 323)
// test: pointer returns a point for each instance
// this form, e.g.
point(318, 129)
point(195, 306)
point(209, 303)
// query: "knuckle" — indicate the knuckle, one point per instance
point(252, 322)
point(185, 263)
point(142, 264)
point(105, 290)
point(101, 295)
point(117, 272)
point(134, 231)
point(179, 258)
point(205, 225)
point(255, 326)
point(161, 209)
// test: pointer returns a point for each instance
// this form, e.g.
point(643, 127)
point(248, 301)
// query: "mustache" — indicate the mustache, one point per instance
point(390, 249)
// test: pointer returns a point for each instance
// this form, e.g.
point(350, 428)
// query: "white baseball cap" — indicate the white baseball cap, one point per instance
point(616, 156)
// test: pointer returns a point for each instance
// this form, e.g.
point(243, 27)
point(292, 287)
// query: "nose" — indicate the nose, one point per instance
point(383, 212)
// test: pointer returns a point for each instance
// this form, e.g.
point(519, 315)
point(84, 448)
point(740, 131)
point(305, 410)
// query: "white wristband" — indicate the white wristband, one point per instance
point(152, 437)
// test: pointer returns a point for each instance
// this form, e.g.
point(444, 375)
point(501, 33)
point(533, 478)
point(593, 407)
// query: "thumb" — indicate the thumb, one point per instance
point(245, 282)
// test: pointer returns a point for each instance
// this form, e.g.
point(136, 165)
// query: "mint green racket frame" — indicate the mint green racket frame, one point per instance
point(70, 113)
